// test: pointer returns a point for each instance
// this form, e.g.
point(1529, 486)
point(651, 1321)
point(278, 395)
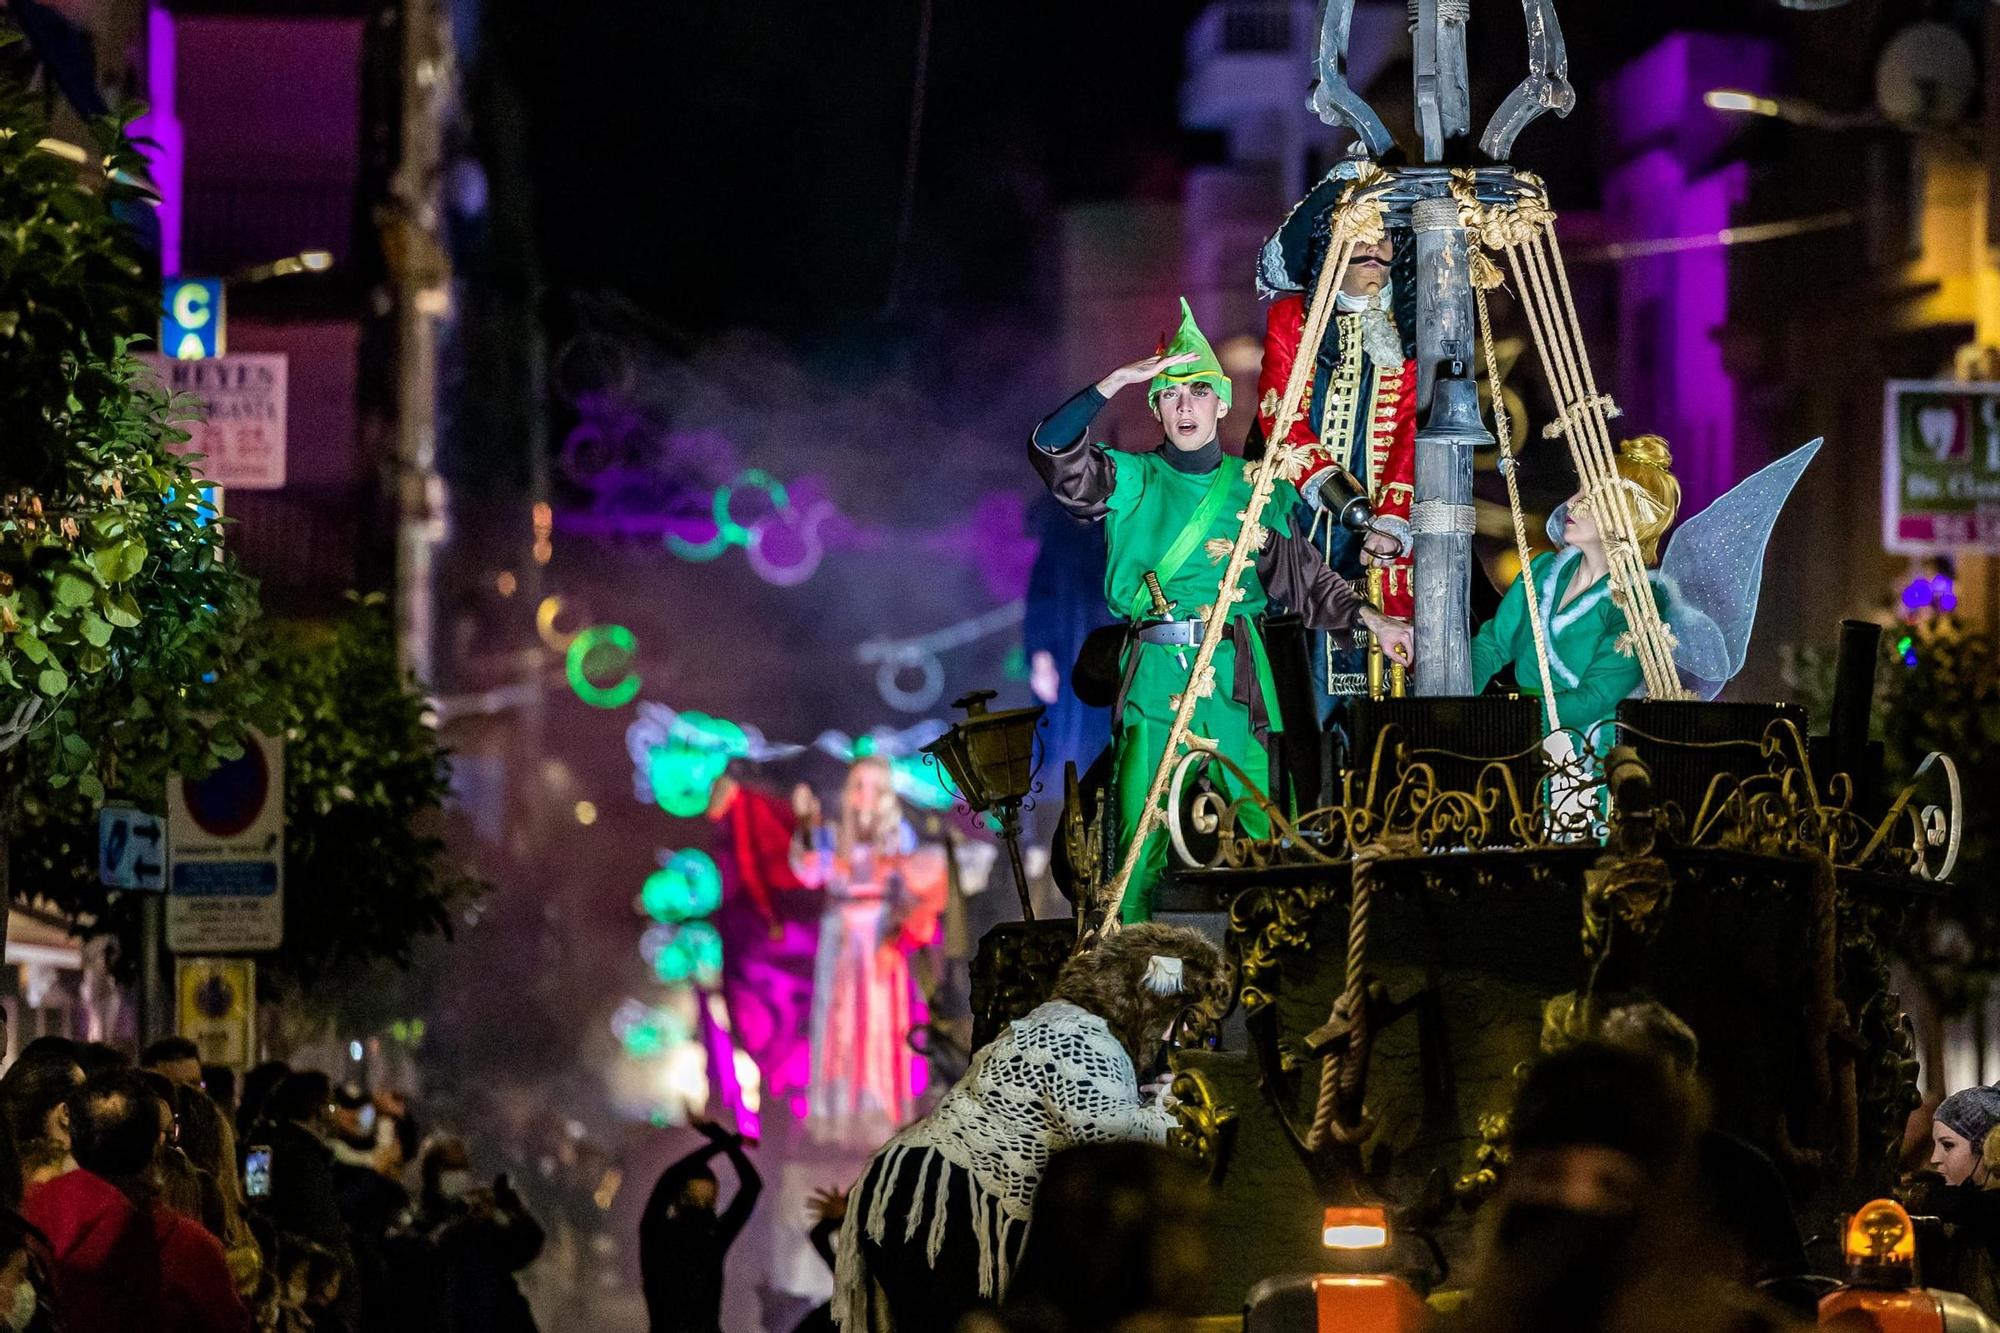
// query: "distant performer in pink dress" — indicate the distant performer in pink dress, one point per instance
point(883, 897)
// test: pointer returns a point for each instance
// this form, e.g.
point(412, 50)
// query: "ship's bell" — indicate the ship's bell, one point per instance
point(1454, 413)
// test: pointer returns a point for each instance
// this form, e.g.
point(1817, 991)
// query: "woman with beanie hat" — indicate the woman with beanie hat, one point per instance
point(1958, 1135)
point(1968, 1202)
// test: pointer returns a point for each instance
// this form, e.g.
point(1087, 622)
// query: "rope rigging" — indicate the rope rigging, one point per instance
point(1523, 229)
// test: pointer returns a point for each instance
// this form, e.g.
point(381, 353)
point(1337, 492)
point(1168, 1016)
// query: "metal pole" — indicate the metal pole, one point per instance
point(1441, 515)
point(1010, 833)
point(152, 1010)
point(420, 275)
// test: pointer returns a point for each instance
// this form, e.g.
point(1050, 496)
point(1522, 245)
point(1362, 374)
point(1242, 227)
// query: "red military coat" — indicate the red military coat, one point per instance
point(1361, 397)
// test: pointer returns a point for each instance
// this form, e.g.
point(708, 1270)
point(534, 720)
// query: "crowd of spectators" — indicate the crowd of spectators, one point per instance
point(166, 1196)
point(1622, 1208)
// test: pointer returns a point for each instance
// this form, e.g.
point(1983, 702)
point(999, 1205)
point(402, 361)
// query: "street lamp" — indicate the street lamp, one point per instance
point(1792, 110)
point(1735, 99)
point(990, 758)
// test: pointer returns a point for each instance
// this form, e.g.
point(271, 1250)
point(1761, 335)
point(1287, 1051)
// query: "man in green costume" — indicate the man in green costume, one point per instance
point(1161, 511)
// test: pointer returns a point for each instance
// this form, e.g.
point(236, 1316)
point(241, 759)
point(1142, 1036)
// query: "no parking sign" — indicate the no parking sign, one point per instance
point(226, 844)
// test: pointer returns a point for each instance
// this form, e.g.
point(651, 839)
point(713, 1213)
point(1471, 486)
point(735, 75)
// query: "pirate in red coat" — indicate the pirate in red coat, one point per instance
point(1359, 415)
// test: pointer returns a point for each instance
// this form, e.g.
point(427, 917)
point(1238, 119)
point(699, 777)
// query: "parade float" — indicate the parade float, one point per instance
point(1468, 879)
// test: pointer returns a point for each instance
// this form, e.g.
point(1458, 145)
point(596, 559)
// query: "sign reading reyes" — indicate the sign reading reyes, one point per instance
point(226, 845)
point(1940, 467)
point(239, 428)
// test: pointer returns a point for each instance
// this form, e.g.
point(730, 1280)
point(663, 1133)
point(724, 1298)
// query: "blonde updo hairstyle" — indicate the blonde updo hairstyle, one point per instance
point(1644, 466)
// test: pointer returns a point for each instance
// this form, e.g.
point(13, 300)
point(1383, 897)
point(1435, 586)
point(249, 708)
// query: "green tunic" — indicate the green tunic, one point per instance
point(1590, 674)
point(1148, 507)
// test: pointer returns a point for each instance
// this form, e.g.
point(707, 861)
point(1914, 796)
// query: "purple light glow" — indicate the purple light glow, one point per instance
point(1670, 371)
point(1927, 591)
point(166, 158)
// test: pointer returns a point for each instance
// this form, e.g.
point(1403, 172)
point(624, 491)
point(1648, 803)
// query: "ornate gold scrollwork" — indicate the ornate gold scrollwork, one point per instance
point(1269, 924)
point(1204, 1128)
point(1400, 799)
point(1492, 1154)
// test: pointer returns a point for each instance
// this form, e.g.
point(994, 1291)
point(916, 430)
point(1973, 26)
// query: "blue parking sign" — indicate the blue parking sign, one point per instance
point(131, 849)
point(191, 319)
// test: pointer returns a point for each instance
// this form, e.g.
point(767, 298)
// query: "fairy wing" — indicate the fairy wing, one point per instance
point(1713, 571)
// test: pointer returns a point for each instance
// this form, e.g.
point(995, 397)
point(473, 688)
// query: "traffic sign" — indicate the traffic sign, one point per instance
point(191, 318)
point(131, 849)
point(226, 839)
point(217, 1008)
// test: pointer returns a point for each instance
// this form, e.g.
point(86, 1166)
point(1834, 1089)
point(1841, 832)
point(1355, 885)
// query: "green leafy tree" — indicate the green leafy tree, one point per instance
point(366, 875)
point(1937, 688)
point(367, 881)
point(122, 629)
point(131, 647)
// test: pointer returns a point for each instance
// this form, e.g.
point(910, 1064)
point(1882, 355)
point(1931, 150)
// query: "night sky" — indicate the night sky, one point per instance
point(742, 163)
point(731, 164)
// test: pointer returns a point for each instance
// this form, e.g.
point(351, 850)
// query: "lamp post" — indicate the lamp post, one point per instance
point(990, 758)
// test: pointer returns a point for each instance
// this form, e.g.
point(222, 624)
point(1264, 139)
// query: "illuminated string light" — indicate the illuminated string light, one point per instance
point(728, 532)
point(894, 659)
point(800, 527)
point(648, 1031)
point(689, 885)
point(1931, 592)
point(690, 951)
point(677, 757)
point(545, 625)
point(683, 771)
point(1750, 234)
point(599, 651)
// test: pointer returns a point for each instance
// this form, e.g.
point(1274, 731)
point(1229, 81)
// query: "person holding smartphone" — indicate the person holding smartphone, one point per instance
point(455, 1259)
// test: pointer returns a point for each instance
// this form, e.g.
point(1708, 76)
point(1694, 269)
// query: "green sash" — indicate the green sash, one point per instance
point(1190, 536)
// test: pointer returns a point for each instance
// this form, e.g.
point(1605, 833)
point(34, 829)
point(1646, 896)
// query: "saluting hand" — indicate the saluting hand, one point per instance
point(1139, 372)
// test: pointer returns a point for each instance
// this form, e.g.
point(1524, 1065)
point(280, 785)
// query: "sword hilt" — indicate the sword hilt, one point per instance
point(1164, 609)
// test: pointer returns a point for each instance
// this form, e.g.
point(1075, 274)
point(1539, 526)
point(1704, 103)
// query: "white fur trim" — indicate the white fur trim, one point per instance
point(1560, 619)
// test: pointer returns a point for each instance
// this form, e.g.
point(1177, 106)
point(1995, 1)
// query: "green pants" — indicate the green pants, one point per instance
point(1142, 738)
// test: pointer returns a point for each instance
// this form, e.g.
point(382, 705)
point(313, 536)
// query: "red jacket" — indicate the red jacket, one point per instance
point(1392, 433)
point(120, 1271)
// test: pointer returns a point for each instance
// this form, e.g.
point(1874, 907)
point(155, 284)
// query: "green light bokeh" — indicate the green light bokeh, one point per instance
point(688, 886)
